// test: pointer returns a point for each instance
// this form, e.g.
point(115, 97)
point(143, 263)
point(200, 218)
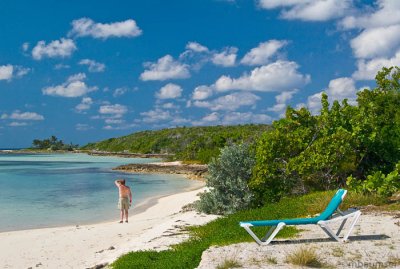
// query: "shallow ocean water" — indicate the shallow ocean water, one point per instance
point(48, 190)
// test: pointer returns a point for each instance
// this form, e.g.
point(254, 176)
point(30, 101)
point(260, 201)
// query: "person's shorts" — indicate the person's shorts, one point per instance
point(123, 203)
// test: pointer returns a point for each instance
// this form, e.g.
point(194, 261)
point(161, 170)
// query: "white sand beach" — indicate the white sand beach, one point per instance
point(88, 245)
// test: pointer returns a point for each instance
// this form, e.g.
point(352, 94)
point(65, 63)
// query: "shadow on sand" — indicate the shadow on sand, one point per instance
point(372, 237)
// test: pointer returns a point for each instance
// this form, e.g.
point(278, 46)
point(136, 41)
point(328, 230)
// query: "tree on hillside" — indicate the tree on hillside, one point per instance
point(199, 144)
point(53, 143)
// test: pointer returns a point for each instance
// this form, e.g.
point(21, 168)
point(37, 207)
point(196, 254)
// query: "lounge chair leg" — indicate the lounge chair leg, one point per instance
point(356, 216)
point(272, 232)
point(252, 234)
point(341, 227)
point(268, 234)
point(329, 232)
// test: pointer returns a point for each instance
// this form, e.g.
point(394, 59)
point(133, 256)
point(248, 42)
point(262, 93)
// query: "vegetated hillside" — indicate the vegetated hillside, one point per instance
point(187, 143)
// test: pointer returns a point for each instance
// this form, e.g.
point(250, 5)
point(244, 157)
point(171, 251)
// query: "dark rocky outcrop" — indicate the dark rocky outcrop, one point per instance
point(192, 170)
point(128, 155)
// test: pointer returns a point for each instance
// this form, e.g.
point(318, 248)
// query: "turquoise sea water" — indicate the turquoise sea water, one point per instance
point(41, 190)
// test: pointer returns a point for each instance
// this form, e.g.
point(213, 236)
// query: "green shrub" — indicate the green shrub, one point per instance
point(379, 183)
point(228, 181)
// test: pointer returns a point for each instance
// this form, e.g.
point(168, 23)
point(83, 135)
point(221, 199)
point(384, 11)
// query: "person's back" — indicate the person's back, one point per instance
point(124, 191)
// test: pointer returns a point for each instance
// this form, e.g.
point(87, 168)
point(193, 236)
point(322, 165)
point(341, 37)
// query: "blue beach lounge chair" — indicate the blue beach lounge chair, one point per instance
point(323, 220)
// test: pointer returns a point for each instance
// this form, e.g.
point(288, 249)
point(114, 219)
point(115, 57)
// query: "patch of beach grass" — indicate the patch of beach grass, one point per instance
point(305, 257)
point(394, 261)
point(260, 261)
point(226, 230)
point(272, 260)
point(229, 263)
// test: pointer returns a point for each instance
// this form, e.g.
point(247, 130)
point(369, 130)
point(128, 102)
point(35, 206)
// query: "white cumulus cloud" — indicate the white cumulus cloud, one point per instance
point(262, 54)
point(85, 104)
point(230, 118)
point(225, 58)
point(156, 115)
point(386, 13)
point(229, 102)
point(210, 118)
point(165, 68)
point(25, 46)
point(93, 66)
point(170, 106)
point(309, 10)
point(58, 48)
point(24, 116)
point(87, 27)
point(115, 111)
point(202, 92)
point(367, 69)
point(120, 91)
point(73, 87)
point(245, 117)
point(169, 91)
point(314, 103)
point(281, 101)
point(278, 76)
point(17, 124)
point(338, 89)
point(8, 72)
point(342, 88)
point(196, 47)
point(377, 42)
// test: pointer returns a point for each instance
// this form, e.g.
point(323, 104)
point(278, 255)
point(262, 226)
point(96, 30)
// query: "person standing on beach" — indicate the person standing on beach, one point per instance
point(125, 198)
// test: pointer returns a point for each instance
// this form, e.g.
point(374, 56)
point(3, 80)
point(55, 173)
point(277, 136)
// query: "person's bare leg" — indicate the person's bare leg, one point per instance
point(126, 215)
point(122, 216)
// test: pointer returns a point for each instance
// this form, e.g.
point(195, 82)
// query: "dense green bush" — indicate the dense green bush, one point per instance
point(227, 179)
point(305, 152)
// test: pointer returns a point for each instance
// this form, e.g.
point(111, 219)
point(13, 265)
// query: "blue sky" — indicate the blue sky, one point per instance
point(89, 70)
